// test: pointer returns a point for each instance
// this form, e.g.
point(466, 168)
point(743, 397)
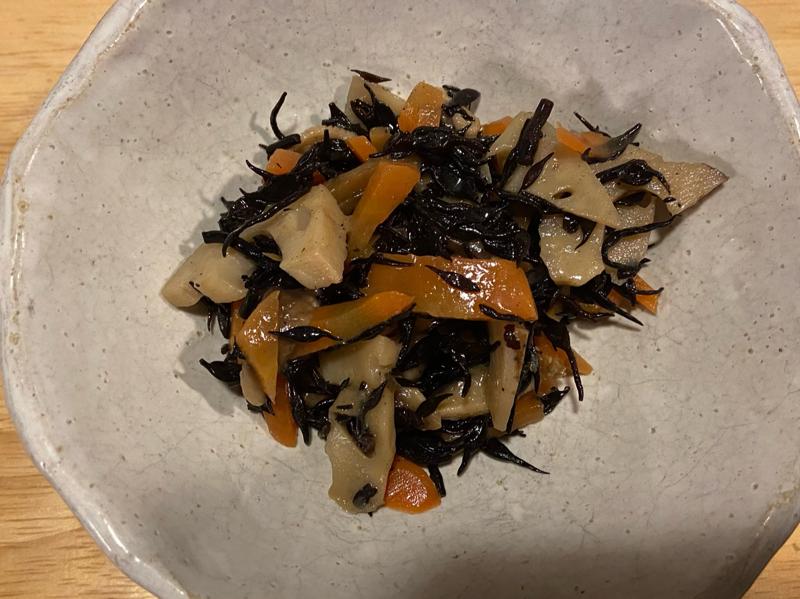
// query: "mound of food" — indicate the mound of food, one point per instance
point(404, 278)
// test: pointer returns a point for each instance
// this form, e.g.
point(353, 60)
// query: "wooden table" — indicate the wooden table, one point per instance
point(44, 551)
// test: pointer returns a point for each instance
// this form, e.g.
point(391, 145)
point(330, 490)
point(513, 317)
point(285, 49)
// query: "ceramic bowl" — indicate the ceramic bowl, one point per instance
point(677, 477)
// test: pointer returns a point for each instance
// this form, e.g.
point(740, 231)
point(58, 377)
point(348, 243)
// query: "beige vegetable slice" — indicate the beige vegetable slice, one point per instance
point(503, 145)
point(348, 187)
point(631, 250)
point(208, 273)
point(570, 185)
point(505, 365)
point(251, 388)
point(546, 145)
point(566, 264)
point(473, 126)
point(353, 471)
point(312, 236)
point(358, 91)
point(455, 407)
point(368, 361)
point(409, 398)
point(689, 182)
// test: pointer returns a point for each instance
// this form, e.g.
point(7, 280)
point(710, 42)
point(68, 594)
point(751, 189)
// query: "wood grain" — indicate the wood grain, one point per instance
point(44, 551)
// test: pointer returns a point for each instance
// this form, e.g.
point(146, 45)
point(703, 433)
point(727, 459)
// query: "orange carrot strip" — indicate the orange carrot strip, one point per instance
point(554, 364)
point(361, 147)
point(282, 161)
point(281, 424)
point(496, 127)
point(388, 186)
point(260, 348)
point(621, 301)
point(569, 139)
point(593, 138)
point(502, 286)
point(647, 301)
point(349, 319)
point(409, 488)
point(423, 108)
point(528, 409)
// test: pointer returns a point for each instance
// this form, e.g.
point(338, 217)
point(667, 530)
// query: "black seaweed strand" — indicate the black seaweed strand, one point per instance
point(273, 116)
point(305, 334)
point(363, 495)
point(496, 449)
point(456, 280)
point(370, 77)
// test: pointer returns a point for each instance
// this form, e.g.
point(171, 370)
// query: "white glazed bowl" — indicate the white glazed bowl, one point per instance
point(677, 477)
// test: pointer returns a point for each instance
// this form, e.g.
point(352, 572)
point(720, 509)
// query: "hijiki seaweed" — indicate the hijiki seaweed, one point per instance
point(450, 332)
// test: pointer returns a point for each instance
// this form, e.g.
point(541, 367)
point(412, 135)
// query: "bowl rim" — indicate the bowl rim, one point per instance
point(742, 26)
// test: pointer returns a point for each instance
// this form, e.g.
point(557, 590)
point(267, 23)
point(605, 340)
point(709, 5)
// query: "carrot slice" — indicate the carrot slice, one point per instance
point(592, 138)
point(361, 147)
point(379, 136)
point(281, 424)
point(389, 185)
point(348, 320)
point(571, 140)
point(409, 488)
point(647, 301)
point(528, 409)
point(260, 348)
point(282, 161)
point(422, 109)
point(501, 286)
point(495, 127)
point(579, 142)
point(554, 364)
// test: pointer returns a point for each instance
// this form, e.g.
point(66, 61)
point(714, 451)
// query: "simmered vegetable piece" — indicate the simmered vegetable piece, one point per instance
point(496, 127)
point(362, 147)
point(259, 345)
point(410, 489)
point(350, 320)
point(208, 273)
point(572, 257)
point(554, 364)
point(688, 182)
point(422, 109)
point(311, 235)
point(390, 184)
point(569, 184)
point(282, 161)
point(505, 368)
point(280, 423)
point(457, 288)
point(348, 187)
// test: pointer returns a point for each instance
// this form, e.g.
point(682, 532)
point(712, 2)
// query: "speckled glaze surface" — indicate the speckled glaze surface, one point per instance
point(678, 477)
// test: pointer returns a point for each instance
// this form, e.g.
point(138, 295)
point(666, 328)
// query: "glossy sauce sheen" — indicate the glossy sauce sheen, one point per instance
point(503, 286)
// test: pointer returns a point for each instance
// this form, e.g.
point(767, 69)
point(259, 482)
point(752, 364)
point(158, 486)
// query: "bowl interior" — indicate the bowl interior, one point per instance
point(676, 477)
